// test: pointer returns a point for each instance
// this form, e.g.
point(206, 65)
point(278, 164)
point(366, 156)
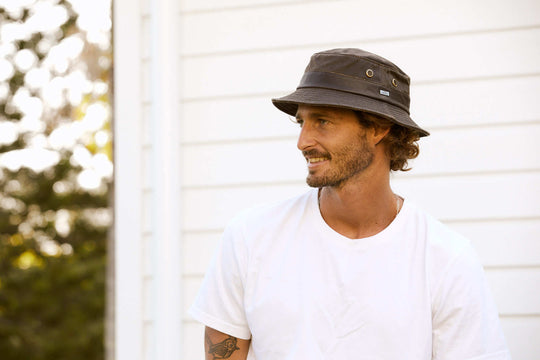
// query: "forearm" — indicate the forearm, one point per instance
point(218, 345)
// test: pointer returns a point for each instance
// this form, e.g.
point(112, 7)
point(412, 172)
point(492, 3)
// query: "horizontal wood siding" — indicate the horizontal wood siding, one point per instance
point(475, 69)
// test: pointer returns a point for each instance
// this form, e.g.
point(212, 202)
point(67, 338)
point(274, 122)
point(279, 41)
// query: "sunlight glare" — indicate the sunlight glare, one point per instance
point(46, 17)
point(53, 92)
point(14, 32)
point(15, 5)
point(101, 164)
point(8, 133)
point(6, 70)
point(62, 222)
point(94, 18)
point(65, 136)
point(89, 179)
point(37, 78)
point(102, 137)
point(96, 116)
point(61, 77)
point(81, 156)
point(4, 91)
point(25, 60)
point(34, 158)
point(27, 104)
point(77, 85)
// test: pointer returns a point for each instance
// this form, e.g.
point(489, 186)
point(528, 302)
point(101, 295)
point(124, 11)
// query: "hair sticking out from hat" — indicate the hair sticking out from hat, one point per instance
point(401, 143)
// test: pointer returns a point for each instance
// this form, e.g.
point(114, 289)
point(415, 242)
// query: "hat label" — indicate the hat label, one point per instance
point(384, 92)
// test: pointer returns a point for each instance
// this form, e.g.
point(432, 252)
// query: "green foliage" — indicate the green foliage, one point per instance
point(53, 232)
point(52, 309)
point(51, 285)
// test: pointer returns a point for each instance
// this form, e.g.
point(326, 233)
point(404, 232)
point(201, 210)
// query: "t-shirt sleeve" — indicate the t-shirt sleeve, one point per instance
point(220, 301)
point(465, 319)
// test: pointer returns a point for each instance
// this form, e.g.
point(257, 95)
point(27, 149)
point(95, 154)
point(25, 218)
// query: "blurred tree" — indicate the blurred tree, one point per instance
point(55, 175)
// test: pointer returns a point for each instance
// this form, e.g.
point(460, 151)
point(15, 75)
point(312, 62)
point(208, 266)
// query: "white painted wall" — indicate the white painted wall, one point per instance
point(475, 69)
point(128, 192)
point(147, 180)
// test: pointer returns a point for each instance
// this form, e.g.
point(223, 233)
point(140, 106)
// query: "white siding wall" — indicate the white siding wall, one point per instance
point(129, 197)
point(475, 67)
point(147, 186)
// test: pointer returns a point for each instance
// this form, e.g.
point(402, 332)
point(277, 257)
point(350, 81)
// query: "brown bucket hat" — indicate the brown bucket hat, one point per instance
point(353, 79)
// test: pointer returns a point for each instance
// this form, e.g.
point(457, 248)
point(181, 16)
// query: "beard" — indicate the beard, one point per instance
point(345, 163)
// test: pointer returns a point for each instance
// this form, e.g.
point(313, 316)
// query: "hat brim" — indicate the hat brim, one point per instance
point(334, 98)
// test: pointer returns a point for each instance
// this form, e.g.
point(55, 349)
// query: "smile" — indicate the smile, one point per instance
point(316, 160)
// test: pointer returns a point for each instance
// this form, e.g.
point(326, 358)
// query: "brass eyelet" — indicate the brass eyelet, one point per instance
point(394, 82)
point(369, 73)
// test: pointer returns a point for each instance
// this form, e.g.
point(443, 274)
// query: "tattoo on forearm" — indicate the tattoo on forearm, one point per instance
point(222, 350)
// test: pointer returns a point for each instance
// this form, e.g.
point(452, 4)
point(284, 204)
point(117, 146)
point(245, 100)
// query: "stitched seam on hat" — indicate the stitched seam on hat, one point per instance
point(346, 75)
point(358, 59)
point(356, 77)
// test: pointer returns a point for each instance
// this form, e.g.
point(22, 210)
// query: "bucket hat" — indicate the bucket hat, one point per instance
point(354, 79)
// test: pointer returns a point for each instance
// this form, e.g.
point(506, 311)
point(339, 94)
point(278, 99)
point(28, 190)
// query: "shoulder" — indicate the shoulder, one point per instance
point(447, 254)
point(454, 272)
point(441, 240)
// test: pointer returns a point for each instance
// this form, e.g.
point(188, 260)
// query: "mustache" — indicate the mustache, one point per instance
point(315, 153)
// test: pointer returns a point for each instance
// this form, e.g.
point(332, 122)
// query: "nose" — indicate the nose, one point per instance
point(306, 137)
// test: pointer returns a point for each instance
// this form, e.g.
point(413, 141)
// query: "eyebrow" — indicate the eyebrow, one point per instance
point(314, 114)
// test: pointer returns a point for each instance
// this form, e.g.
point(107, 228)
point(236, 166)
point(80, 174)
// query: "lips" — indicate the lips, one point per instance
point(314, 156)
point(315, 160)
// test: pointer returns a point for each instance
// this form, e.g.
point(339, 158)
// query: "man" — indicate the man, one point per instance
point(349, 270)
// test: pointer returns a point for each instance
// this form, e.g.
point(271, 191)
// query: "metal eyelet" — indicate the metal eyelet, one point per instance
point(369, 73)
point(394, 82)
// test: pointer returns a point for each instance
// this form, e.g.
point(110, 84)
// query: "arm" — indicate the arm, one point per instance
point(218, 345)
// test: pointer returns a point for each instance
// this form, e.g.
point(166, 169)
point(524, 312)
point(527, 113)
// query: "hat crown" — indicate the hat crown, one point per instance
point(360, 64)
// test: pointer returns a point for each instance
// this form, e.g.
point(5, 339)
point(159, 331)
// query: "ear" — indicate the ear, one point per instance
point(379, 133)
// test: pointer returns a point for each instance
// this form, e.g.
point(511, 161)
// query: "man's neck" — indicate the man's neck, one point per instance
point(361, 207)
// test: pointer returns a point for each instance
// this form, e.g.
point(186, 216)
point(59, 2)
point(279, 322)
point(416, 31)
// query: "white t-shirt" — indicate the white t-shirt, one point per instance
point(300, 290)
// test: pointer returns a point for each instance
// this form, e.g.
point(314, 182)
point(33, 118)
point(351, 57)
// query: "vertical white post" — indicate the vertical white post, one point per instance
point(166, 177)
point(128, 187)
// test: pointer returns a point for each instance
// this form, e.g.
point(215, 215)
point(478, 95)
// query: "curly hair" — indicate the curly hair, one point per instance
point(401, 143)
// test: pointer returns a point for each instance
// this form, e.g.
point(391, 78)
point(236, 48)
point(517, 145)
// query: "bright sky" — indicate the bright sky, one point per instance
point(57, 79)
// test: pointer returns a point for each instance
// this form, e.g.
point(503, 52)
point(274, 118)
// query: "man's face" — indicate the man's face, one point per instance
point(334, 144)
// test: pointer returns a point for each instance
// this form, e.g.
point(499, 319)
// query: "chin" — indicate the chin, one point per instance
point(319, 183)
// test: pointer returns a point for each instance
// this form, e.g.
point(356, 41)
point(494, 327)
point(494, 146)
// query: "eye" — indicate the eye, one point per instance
point(300, 122)
point(323, 121)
